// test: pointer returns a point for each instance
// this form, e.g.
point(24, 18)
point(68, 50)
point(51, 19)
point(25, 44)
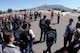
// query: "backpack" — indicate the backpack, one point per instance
point(25, 37)
point(51, 34)
point(43, 22)
point(70, 30)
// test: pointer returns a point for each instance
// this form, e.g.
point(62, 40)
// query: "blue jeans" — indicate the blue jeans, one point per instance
point(22, 50)
point(42, 32)
point(30, 47)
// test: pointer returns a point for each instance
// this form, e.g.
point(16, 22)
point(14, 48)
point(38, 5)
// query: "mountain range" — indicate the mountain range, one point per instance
point(54, 7)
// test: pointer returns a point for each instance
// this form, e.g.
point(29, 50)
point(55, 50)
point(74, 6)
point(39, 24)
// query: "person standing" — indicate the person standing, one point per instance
point(52, 15)
point(51, 36)
point(69, 32)
point(31, 16)
point(35, 15)
point(27, 39)
point(40, 14)
point(58, 19)
point(42, 25)
point(75, 45)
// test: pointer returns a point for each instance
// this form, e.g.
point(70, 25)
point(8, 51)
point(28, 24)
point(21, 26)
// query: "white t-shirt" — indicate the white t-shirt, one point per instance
point(32, 34)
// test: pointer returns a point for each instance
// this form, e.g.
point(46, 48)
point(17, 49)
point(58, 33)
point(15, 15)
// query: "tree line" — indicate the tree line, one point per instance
point(10, 10)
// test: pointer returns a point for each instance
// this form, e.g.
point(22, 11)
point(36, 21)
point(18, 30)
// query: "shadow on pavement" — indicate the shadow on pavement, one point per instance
point(60, 50)
point(38, 42)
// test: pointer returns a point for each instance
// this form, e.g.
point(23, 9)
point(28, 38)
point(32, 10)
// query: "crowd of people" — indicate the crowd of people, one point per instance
point(17, 25)
point(15, 30)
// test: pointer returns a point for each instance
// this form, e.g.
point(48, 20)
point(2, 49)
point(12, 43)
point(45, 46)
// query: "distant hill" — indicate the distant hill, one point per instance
point(55, 7)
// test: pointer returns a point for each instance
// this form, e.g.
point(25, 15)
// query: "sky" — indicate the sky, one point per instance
point(23, 4)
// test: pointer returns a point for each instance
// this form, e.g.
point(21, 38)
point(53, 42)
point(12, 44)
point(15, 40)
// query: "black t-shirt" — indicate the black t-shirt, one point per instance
point(78, 25)
point(74, 47)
